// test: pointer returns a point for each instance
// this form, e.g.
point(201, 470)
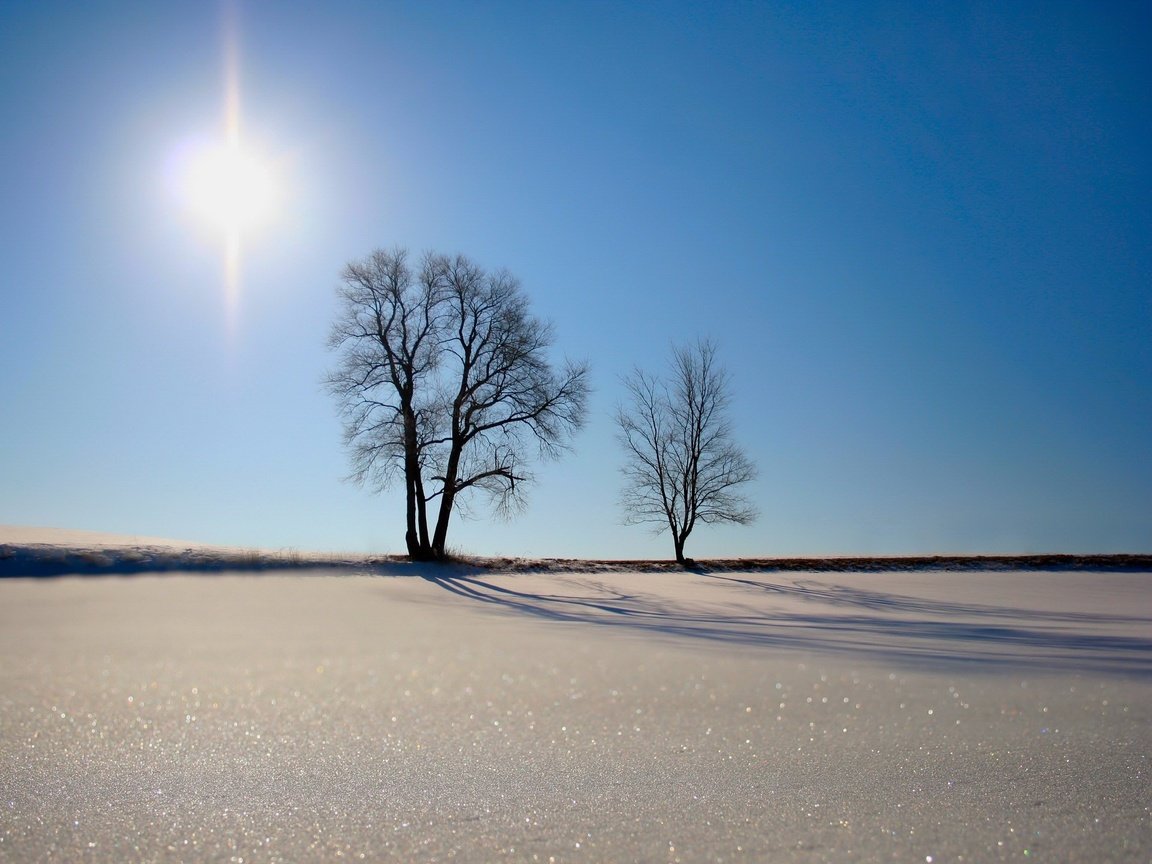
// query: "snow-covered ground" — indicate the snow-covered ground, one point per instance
point(565, 711)
point(629, 716)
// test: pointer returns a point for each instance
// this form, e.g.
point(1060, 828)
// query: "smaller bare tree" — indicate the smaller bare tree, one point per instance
point(682, 466)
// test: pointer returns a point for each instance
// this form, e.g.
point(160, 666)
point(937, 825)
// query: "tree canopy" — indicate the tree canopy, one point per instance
point(444, 381)
point(682, 467)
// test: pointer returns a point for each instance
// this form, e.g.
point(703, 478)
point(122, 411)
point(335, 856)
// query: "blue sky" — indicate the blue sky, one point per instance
point(921, 236)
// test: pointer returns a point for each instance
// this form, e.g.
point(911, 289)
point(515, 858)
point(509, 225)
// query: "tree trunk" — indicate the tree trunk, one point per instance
point(440, 538)
point(447, 500)
point(416, 535)
point(416, 549)
point(679, 538)
point(410, 539)
point(422, 518)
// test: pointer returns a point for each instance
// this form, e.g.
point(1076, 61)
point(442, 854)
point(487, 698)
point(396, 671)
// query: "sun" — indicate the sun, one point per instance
point(233, 191)
point(229, 187)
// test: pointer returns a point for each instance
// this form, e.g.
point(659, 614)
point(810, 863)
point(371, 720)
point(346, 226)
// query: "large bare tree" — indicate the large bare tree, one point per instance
point(444, 380)
point(682, 467)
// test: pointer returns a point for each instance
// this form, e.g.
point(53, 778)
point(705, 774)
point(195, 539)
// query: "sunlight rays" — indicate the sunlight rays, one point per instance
point(225, 183)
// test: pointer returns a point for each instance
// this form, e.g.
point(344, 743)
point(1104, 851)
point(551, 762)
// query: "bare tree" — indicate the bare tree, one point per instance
point(444, 379)
point(682, 466)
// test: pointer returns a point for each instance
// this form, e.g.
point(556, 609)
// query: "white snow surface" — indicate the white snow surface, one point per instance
point(578, 715)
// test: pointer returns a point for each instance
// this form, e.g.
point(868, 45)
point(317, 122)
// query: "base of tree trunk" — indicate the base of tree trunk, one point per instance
point(429, 556)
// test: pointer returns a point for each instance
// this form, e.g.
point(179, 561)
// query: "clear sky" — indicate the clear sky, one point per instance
point(920, 233)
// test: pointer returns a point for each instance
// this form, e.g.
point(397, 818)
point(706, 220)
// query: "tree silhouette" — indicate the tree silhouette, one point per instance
point(681, 465)
point(444, 380)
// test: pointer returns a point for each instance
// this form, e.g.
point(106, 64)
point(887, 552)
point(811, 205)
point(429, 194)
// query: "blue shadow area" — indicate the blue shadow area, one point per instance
point(926, 633)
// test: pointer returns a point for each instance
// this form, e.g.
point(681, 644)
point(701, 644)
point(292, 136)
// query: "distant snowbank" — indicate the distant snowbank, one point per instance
point(34, 551)
point(23, 535)
point(54, 552)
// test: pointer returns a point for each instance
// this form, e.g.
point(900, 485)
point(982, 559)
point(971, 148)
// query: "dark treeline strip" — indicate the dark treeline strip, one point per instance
point(1113, 562)
point(25, 560)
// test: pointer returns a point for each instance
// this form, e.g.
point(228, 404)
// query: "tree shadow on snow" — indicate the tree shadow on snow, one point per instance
point(873, 624)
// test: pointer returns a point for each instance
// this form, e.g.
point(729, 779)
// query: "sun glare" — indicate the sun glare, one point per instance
point(230, 188)
point(223, 182)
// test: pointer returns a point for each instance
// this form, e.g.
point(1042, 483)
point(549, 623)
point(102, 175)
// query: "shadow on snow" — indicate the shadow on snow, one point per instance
point(926, 633)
